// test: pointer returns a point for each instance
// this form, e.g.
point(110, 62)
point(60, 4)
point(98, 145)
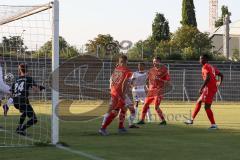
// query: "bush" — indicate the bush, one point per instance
point(174, 56)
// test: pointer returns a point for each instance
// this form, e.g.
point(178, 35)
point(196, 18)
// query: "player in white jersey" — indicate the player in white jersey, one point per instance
point(130, 106)
point(139, 88)
point(4, 88)
point(9, 78)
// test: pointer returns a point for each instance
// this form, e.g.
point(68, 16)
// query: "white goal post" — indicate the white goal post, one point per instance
point(10, 16)
point(55, 78)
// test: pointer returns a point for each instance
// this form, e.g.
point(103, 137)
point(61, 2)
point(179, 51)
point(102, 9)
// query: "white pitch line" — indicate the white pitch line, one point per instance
point(92, 157)
point(80, 153)
point(23, 137)
point(14, 146)
point(2, 130)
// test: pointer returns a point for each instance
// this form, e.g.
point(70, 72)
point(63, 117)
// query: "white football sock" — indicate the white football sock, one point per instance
point(136, 113)
point(131, 118)
point(105, 118)
point(149, 115)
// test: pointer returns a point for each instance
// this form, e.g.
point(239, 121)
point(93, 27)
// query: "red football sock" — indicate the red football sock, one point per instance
point(160, 114)
point(210, 115)
point(144, 112)
point(122, 118)
point(109, 119)
point(197, 109)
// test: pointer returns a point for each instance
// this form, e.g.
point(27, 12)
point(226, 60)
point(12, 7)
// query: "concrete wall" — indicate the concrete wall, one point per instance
point(234, 43)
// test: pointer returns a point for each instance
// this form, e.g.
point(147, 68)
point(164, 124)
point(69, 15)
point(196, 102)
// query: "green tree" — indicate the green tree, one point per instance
point(188, 13)
point(142, 49)
point(225, 12)
point(13, 45)
point(103, 45)
point(145, 48)
point(66, 50)
point(168, 50)
point(136, 51)
point(192, 42)
point(160, 28)
point(236, 55)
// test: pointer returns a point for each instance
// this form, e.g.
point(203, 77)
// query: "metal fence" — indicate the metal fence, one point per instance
point(90, 81)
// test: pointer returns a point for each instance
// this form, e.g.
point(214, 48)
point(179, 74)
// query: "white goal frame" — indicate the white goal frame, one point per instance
point(54, 5)
point(55, 70)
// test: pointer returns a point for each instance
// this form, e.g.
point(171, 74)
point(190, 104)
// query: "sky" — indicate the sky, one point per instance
point(82, 20)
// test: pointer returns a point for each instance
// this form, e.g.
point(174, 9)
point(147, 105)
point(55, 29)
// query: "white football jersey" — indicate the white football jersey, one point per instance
point(3, 87)
point(139, 83)
point(139, 79)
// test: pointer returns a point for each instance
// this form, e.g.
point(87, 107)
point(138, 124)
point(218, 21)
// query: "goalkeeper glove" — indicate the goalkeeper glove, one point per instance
point(41, 88)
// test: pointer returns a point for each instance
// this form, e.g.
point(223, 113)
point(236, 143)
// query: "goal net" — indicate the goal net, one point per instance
point(29, 35)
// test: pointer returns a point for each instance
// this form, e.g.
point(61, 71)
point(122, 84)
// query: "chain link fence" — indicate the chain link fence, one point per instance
point(90, 79)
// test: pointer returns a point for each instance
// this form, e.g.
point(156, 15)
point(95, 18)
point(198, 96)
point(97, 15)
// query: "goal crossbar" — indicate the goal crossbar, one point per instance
point(31, 11)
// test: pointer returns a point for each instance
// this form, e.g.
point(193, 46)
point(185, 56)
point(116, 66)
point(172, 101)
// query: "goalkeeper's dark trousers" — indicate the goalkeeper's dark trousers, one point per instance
point(27, 111)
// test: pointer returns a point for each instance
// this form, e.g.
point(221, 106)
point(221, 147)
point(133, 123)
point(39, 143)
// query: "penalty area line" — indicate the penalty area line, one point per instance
point(80, 153)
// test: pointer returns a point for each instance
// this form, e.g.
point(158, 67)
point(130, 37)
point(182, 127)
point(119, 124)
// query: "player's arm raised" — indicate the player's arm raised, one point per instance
point(37, 88)
point(221, 78)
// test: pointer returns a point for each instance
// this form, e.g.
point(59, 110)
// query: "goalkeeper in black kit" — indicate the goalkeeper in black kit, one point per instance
point(20, 92)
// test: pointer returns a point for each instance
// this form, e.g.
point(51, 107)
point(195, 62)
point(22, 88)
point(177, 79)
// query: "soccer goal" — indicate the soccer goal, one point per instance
point(30, 35)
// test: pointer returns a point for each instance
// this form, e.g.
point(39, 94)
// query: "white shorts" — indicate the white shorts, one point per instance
point(139, 94)
point(128, 102)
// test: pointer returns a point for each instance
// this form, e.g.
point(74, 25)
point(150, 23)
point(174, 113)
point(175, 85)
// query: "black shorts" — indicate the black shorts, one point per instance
point(23, 105)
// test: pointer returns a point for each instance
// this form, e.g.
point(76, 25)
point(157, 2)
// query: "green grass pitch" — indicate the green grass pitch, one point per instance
point(175, 141)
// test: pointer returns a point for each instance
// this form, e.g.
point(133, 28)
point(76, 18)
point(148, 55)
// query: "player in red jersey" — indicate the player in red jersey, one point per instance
point(207, 91)
point(128, 104)
point(157, 78)
point(119, 82)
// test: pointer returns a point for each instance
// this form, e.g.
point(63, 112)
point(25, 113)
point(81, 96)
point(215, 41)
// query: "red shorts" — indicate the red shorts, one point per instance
point(156, 100)
point(116, 102)
point(207, 96)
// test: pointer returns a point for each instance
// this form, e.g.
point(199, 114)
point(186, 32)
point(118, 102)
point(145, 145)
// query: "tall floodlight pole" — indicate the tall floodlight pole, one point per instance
point(213, 14)
point(226, 37)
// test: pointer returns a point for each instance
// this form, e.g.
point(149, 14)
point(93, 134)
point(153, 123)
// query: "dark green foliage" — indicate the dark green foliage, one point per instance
point(66, 50)
point(13, 45)
point(192, 42)
point(160, 28)
point(103, 45)
point(188, 13)
point(142, 49)
point(236, 55)
point(220, 21)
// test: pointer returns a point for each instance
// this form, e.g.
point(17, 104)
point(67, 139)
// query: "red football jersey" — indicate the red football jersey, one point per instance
point(120, 74)
point(156, 80)
point(212, 71)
